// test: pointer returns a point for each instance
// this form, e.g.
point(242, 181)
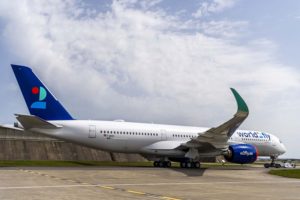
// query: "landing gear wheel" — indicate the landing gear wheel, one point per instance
point(277, 165)
point(197, 165)
point(168, 164)
point(272, 164)
point(266, 165)
point(183, 164)
point(189, 165)
point(269, 165)
point(161, 164)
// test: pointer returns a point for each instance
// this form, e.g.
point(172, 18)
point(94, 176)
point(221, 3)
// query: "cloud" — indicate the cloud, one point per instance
point(142, 65)
point(211, 7)
point(223, 28)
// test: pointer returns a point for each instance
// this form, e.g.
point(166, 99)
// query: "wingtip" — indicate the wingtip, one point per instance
point(242, 106)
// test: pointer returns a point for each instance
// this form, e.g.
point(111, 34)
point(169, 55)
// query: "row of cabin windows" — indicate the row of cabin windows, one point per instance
point(128, 133)
point(182, 136)
point(255, 139)
point(136, 133)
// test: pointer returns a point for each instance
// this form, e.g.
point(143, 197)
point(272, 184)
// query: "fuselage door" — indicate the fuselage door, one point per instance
point(163, 133)
point(92, 131)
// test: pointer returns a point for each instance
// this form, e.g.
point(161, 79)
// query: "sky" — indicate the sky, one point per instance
point(159, 61)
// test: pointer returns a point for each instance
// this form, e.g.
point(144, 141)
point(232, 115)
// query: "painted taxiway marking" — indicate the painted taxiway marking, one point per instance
point(136, 192)
point(169, 198)
point(44, 186)
point(107, 187)
point(112, 186)
point(205, 183)
point(83, 184)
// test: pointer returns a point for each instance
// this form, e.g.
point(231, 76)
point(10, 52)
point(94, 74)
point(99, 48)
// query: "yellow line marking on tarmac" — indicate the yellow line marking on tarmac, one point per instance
point(169, 198)
point(107, 187)
point(90, 185)
point(136, 192)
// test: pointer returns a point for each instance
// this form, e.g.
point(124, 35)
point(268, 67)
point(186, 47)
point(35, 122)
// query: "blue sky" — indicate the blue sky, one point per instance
point(163, 61)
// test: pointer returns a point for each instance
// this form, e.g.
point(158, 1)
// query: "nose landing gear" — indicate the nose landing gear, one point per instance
point(273, 163)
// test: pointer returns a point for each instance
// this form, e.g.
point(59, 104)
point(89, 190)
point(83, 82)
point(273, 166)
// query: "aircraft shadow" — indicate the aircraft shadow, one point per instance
point(190, 172)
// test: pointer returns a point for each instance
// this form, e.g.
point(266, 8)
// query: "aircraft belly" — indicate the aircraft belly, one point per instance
point(165, 152)
point(124, 145)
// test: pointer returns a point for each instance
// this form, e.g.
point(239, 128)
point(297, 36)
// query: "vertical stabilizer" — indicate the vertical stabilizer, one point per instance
point(38, 98)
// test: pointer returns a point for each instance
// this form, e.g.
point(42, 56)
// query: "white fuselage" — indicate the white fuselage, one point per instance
point(152, 139)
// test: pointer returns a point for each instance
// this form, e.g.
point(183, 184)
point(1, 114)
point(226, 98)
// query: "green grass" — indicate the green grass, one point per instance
point(290, 173)
point(53, 163)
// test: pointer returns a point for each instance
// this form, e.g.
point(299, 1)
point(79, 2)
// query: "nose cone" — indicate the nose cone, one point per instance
point(282, 149)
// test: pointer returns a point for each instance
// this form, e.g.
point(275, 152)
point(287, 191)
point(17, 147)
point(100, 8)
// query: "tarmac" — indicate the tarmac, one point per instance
point(112, 183)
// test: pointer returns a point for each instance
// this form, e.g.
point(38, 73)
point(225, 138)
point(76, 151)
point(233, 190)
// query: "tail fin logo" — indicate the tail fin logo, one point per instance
point(42, 93)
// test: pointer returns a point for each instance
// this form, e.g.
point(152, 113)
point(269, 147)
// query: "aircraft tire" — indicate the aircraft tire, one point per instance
point(197, 165)
point(183, 164)
point(168, 164)
point(266, 165)
point(161, 164)
point(277, 165)
point(155, 163)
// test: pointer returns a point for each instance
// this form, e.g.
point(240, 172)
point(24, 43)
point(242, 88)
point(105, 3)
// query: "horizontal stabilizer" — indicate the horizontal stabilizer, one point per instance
point(31, 121)
point(11, 127)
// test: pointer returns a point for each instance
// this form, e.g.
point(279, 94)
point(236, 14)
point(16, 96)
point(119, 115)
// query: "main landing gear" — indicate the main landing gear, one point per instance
point(162, 164)
point(190, 165)
point(186, 164)
point(272, 164)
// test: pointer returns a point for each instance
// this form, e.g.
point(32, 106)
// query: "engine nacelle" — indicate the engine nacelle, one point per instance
point(241, 153)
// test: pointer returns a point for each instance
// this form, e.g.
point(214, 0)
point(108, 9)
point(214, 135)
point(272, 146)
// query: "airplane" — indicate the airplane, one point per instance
point(160, 143)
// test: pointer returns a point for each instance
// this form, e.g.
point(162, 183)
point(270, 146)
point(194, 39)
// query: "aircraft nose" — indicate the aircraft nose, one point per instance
point(283, 149)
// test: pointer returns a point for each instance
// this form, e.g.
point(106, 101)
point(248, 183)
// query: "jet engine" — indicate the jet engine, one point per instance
point(241, 153)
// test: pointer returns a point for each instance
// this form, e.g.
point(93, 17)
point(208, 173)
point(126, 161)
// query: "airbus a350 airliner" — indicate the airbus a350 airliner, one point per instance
point(157, 142)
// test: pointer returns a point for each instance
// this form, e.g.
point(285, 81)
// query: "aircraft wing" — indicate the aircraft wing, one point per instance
point(217, 137)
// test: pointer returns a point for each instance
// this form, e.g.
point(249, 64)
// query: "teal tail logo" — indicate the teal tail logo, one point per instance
point(42, 93)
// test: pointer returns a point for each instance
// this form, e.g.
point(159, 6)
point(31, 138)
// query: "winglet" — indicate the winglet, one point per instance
point(242, 106)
